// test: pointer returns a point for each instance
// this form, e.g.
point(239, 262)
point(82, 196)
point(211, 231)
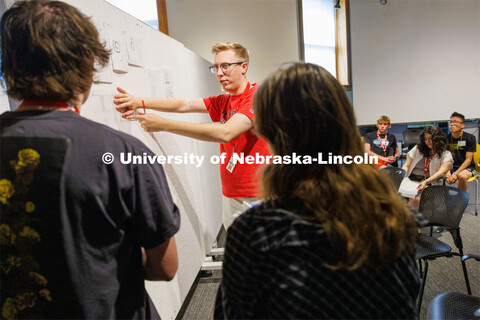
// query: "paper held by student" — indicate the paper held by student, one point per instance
point(408, 188)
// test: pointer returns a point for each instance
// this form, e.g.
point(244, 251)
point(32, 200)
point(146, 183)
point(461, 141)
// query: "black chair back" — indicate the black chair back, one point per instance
point(395, 175)
point(455, 305)
point(443, 205)
point(411, 137)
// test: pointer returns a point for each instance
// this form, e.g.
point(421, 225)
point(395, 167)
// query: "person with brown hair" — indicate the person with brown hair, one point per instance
point(233, 117)
point(329, 241)
point(79, 236)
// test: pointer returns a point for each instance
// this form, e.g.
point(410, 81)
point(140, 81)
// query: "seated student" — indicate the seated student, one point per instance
point(382, 144)
point(463, 145)
point(427, 162)
point(330, 241)
point(79, 237)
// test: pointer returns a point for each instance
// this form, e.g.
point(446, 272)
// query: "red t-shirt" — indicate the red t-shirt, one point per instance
point(243, 180)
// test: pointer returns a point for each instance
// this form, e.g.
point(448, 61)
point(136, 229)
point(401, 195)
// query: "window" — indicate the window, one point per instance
point(144, 10)
point(324, 36)
point(319, 33)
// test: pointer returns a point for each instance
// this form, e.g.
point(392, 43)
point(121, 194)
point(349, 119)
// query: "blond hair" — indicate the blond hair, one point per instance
point(383, 119)
point(304, 110)
point(240, 51)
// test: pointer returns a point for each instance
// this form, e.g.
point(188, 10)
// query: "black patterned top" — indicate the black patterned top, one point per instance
point(274, 268)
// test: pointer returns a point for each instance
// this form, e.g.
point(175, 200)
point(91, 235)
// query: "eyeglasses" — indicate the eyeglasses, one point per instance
point(455, 122)
point(224, 66)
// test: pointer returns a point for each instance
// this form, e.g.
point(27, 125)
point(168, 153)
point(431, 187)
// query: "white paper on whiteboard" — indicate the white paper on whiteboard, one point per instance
point(119, 54)
point(168, 82)
point(134, 49)
point(160, 83)
point(154, 76)
point(104, 75)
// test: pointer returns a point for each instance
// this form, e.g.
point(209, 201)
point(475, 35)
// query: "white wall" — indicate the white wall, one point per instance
point(415, 60)
point(267, 28)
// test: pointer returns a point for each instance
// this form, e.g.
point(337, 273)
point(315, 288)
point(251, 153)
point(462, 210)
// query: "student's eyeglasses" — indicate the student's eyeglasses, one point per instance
point(224, 66)
point(455, 122)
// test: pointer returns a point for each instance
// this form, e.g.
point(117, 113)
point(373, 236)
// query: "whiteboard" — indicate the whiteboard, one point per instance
point(415, 60)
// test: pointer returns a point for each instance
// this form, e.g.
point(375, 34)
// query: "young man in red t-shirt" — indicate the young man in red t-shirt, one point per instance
point(233, 117)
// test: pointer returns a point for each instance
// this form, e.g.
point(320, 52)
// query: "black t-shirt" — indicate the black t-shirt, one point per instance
point(85, 220)
point(460, 147)
point(375, 145)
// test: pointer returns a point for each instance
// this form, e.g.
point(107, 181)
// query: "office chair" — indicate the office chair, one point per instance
point(411, 137)
point(395, 174)
point(443, 206)
point(455, 305)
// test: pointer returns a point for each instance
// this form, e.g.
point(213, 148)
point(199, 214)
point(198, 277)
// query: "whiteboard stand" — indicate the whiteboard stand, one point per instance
point(217, 252)
point(209, 264)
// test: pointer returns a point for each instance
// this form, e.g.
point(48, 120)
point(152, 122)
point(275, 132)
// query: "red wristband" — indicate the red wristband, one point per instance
point(143, 105)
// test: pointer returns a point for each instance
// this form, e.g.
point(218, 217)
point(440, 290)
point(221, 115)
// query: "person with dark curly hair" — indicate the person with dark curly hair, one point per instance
point(426, 163)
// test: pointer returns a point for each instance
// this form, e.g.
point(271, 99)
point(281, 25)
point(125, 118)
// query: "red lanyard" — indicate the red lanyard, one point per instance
point(49, 103)
point(383, 143)
point(426, 163)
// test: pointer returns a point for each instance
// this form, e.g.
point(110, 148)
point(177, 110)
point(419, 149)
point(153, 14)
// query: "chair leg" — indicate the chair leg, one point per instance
point(420, 268)
point(423, 280)
point(476, 195)
point(465, 274)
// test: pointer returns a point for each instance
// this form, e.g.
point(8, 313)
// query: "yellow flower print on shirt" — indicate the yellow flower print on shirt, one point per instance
point(29, 207)
point(30, 233)
point(46, 294)
point(26, 300)
point(6, 190)
point(11, 307)
point(9, 311)
point(18, 236)
point(28, 159)
point(10, 262)
point(7, 236)
point(38, 278)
